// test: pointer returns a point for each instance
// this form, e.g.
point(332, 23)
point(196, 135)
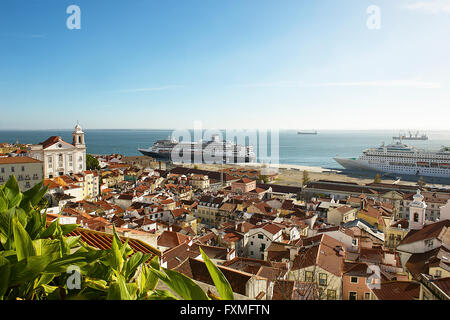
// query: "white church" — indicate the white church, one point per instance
point(60, 157)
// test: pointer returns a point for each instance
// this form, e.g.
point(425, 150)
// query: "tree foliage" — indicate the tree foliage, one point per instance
point(38, 261)
point(306, 178)
point(377, 178)
point(92, 163)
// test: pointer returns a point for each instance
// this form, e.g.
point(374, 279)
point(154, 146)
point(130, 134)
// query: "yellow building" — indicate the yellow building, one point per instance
point(394, 232)
point(377, 217)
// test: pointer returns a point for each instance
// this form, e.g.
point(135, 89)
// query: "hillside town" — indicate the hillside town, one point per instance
point(326, 240)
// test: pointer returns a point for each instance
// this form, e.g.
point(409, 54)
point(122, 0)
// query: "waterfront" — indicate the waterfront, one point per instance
point(303, 150)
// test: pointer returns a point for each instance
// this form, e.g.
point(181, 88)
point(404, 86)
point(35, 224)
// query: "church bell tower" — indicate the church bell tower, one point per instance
point(417, 210)
point(78, 137)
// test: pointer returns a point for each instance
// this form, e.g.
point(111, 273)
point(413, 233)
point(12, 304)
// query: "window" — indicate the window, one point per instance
point(263, 247)
point(367, 296)
point(23, 168)
point(353, 296)
point(12, 169)
point(308, 276)
point(438, 274)
point(260, 236)
point(416, 217)
point(331, 294)
point(323, 279)
point(354, 279)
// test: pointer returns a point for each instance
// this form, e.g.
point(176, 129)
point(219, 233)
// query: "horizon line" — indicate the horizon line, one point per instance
point(280, 129)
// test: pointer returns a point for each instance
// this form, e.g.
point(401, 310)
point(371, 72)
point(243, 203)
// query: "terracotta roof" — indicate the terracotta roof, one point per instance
point(196, 269)
point(171, 239)
point(52, 140)
point(230, 207)
point(176, 255)
point(244, 227)
point(244, 180)
point(211, 251)
point(270, 273)
point(294, 290)
point(402, 223)
point(179, 212)
point(427, 232)
point(205, 238)
point(398, 290)
point(103, 241)
point(325, 255)
point(419, 262)
point(358, 269)
point(126, 197)
point(248, 265)
point(344, 209)
point(443, 284)
point(18, 160)
point(374, 255)
point(270, 227)
point(277, 252)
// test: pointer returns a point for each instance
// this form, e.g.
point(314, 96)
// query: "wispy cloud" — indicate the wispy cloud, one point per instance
point(150, 89)
point(430, 6)
point(386, 84)
point(23, 35)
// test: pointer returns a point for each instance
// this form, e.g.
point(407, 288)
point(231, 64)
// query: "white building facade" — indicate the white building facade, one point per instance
point(60, 157)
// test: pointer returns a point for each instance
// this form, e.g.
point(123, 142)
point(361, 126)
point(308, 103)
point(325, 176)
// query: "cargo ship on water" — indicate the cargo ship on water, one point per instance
point(212, 151)
point(410, 136)
point(402, 159)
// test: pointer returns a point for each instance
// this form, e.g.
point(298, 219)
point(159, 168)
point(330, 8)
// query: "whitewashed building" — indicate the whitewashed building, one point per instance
point(260, 238)
point(60, 157)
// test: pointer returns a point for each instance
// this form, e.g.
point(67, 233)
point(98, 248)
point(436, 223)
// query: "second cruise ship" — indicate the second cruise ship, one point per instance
point(402, 159)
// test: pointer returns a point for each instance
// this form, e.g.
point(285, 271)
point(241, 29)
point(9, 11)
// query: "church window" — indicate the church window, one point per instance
point(416, 217)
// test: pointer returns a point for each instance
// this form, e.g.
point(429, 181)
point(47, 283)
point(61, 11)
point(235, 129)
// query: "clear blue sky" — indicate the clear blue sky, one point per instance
point(230, 64)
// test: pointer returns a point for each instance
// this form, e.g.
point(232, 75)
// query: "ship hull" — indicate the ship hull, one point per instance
point(197, 158)
point(364, 166)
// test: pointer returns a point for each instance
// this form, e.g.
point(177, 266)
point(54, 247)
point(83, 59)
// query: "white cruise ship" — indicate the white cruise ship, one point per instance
point(401, 159)
point(213, 151)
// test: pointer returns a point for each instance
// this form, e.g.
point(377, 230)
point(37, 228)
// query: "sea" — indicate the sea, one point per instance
point(294, 149)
